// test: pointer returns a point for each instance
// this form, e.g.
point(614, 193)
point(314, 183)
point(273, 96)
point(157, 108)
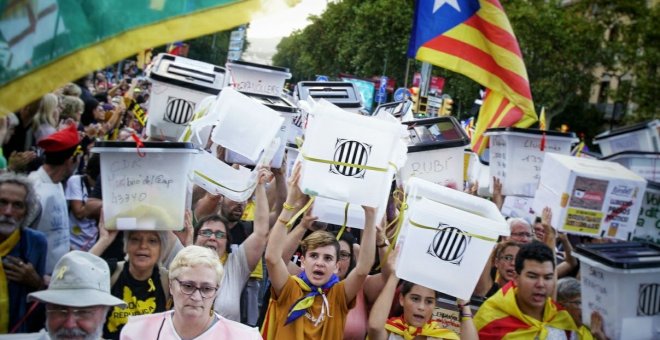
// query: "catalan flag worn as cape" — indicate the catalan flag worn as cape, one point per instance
point(500, 318)
point(46, 43)
point(474, 38)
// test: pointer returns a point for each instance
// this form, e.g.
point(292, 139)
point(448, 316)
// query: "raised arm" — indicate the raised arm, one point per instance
point(570, 262)
point(498, 198)
point(374, 284)
point(105, 238)
point(550, 236)
point(365, 261)
point(186, 234)
point(381, 308)
point(279, 193)
point(256, 242)
point(297, 233)
point(277, 270)
point(485, 280)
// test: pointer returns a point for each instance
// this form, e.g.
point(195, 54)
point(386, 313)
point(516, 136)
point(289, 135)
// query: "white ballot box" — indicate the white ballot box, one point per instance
point(638, 137)
point(179, 84)
point(348, 157)
point(446, 231)
point(590, 197)
point(145, 188)
point(621, 281)
point(435, 151)
point(516, 156)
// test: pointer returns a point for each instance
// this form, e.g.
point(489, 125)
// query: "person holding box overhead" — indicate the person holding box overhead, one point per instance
point(418, 303)
point(313, 304)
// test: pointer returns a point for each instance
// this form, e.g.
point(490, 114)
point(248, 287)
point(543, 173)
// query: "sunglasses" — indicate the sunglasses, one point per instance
point(208, 232)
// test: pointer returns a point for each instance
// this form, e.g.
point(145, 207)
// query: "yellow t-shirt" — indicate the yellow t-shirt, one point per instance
point(332, 327)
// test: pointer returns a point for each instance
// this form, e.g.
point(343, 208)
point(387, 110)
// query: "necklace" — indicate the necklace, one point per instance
point(316, 321)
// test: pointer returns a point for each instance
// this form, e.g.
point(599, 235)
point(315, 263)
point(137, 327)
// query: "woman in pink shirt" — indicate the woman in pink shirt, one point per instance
point(195, 276)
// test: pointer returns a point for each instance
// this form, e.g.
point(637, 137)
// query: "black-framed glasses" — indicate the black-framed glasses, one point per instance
point(344, 255)
point(189, 288)
point(208, 232)
point(507, 258)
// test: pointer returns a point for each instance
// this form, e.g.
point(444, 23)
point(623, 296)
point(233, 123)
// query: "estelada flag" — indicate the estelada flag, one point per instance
point(474, 38)
point(47, 43)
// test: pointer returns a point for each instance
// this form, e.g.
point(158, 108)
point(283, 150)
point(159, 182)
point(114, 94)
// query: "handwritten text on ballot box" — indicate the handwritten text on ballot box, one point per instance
point(145, 188)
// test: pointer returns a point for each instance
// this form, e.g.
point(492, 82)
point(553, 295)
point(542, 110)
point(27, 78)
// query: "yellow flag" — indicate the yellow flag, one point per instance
point(542, 124)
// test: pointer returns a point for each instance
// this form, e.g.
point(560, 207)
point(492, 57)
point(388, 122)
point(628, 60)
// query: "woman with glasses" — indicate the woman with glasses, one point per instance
point(195, 276)
point(499, 270)
point(211, 232)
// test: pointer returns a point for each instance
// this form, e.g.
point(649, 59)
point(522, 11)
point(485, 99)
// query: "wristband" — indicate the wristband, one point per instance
point(285, 222)
point(287, 206)
point(466, 317)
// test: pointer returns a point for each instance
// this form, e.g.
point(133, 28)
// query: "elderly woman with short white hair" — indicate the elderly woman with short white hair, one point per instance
point(195, 276)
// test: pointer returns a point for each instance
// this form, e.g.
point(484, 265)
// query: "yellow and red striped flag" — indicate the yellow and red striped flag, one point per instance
point(474, 38)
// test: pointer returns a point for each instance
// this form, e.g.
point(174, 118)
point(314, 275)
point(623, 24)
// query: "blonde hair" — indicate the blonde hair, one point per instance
point(71, 89)
point(317, 239)
point(71, 106)
point(46, 111)
point(193, 256)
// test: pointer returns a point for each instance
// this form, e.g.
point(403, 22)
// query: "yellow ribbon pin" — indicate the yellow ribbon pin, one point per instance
point(152, 287)
point(60, 272)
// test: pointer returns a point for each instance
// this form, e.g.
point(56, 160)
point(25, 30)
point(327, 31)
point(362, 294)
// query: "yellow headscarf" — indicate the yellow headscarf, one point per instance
point(431, 329)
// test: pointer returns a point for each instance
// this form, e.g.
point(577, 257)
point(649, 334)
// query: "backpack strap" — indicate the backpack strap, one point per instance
point(165, 281)
point(115, 274)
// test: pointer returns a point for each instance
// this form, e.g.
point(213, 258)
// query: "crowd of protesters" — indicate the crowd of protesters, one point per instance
point(239, 270)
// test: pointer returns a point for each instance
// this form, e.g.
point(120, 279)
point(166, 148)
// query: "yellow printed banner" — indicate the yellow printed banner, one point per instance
point(583, 221)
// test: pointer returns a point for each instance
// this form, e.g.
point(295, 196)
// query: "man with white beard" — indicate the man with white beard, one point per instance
point(22, 251)
point(77, 299)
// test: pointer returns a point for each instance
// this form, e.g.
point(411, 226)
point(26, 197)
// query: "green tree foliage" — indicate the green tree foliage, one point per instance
point(359, 37)
point(630, 53)
point(212, 48)
point(561, 47)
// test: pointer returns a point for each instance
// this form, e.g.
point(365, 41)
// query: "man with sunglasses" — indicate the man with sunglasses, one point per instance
point(60, 161)
point(77, 299)
point(211, 232)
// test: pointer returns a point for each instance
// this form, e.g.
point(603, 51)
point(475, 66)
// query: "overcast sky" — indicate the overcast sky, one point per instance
point(277, 20)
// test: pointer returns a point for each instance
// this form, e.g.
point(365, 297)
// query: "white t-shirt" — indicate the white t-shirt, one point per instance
point(237, 273)
point(83, 231)
point(54, 220)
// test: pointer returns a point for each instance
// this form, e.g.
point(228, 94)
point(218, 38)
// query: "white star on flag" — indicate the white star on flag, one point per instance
point(453, 3)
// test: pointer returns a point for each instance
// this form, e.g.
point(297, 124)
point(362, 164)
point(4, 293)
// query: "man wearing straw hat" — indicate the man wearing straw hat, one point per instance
point(77, 300)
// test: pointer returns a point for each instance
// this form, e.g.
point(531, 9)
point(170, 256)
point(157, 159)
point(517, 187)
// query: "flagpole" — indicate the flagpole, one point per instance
point(405, 79)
